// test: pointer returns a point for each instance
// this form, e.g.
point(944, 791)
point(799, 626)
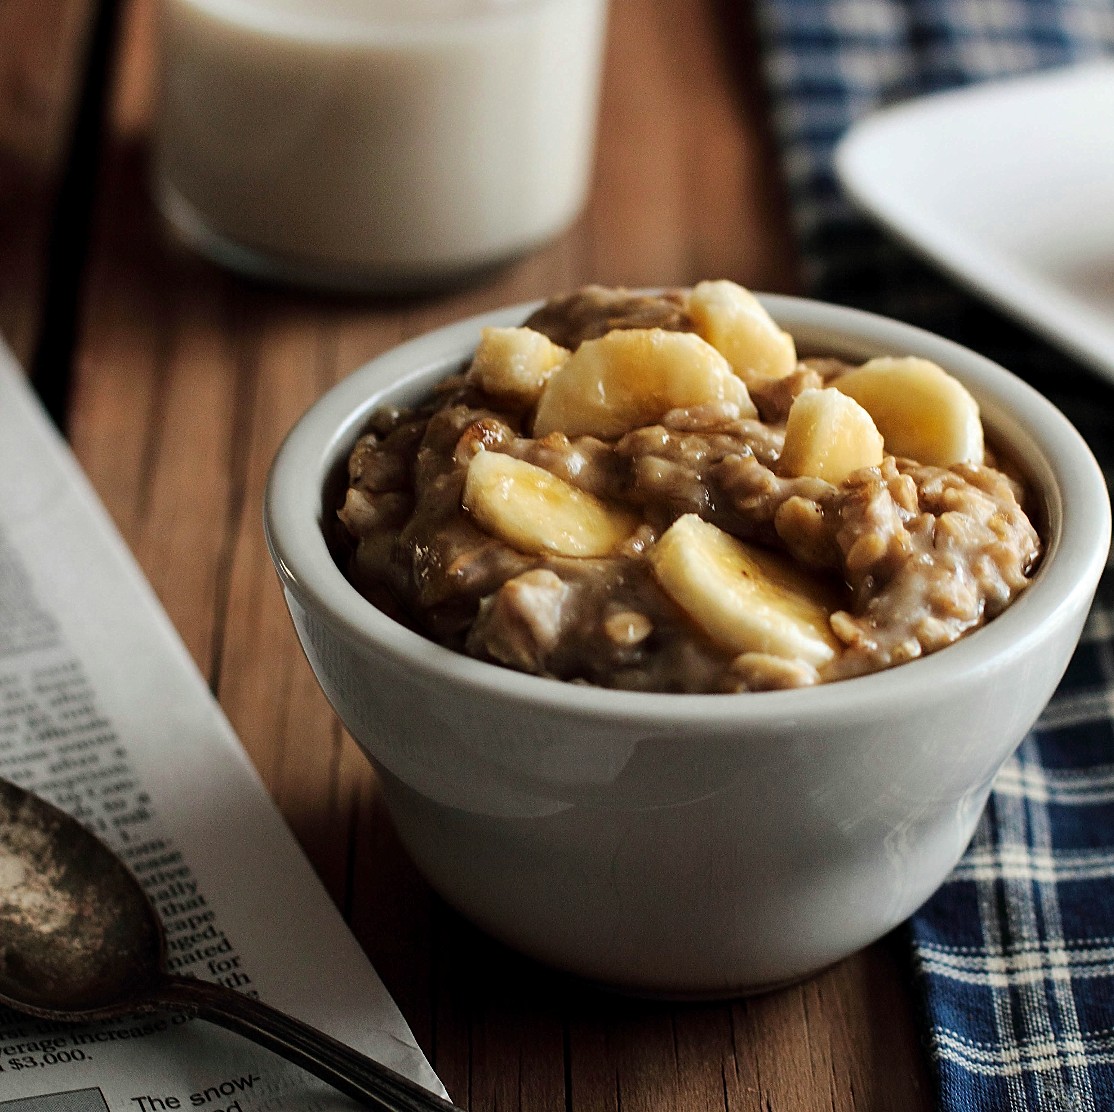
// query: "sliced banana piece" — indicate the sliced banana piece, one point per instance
point(514, 363)
point(735, 323)
point(828, 435)
point(921, 411)
point(744, 598)
point(633, 377)
point(536, 512)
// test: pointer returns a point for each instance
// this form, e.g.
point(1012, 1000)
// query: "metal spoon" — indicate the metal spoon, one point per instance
point(80, 941)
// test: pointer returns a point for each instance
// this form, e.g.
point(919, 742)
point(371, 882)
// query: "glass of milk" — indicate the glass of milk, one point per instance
point(379, 145)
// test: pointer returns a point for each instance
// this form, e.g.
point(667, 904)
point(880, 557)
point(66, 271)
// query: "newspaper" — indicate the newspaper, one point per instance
point(103, 712)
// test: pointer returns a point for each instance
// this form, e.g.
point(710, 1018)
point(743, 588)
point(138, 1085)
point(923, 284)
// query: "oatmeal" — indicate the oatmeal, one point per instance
point(655, 493)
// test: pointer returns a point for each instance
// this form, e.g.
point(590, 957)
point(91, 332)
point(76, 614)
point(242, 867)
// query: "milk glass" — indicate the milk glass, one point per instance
point(374, 144)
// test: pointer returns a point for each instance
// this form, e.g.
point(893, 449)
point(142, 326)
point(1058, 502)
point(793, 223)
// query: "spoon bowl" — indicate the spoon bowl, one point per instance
point(80, 941)
point(78, 934)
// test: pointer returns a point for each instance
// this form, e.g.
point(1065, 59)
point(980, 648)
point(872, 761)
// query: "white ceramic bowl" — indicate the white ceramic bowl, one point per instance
point(688, 844)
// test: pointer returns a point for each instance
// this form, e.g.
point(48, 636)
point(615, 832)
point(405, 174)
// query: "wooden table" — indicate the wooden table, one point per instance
point(175, 383)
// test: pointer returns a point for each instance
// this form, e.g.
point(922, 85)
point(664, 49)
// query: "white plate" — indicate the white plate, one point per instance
point(1010, 187)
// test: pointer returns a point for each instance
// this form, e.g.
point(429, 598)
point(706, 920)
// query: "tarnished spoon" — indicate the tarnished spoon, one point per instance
point(80, 941)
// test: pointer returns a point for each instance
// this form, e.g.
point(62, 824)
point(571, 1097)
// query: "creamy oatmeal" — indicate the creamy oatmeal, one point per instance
point(656, 493)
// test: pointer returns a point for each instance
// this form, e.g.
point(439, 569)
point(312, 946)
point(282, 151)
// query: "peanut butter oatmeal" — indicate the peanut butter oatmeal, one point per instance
point(655, 493)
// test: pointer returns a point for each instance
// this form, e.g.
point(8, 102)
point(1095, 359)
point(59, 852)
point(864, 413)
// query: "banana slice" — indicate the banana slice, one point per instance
point(633, 377)
point(514, 363)
point(734, 322)
point(828, 435)
point(536, 512)
point(921, 411)
point(744, 598)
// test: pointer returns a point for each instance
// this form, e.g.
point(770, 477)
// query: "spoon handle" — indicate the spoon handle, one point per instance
point(353, 1073)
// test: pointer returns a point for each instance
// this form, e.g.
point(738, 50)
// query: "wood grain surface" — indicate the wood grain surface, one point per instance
point(184, 381)
point(43, 68)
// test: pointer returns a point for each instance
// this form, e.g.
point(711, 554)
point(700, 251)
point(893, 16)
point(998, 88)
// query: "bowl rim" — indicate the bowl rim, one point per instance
point(1065, 473)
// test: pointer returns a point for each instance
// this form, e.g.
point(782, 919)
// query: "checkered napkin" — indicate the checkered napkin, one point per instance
point(1014, 957)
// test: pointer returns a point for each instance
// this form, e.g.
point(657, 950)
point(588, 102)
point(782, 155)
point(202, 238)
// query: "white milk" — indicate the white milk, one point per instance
point(375, 143)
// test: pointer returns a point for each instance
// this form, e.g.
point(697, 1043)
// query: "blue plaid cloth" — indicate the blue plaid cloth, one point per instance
point(1014, 956)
